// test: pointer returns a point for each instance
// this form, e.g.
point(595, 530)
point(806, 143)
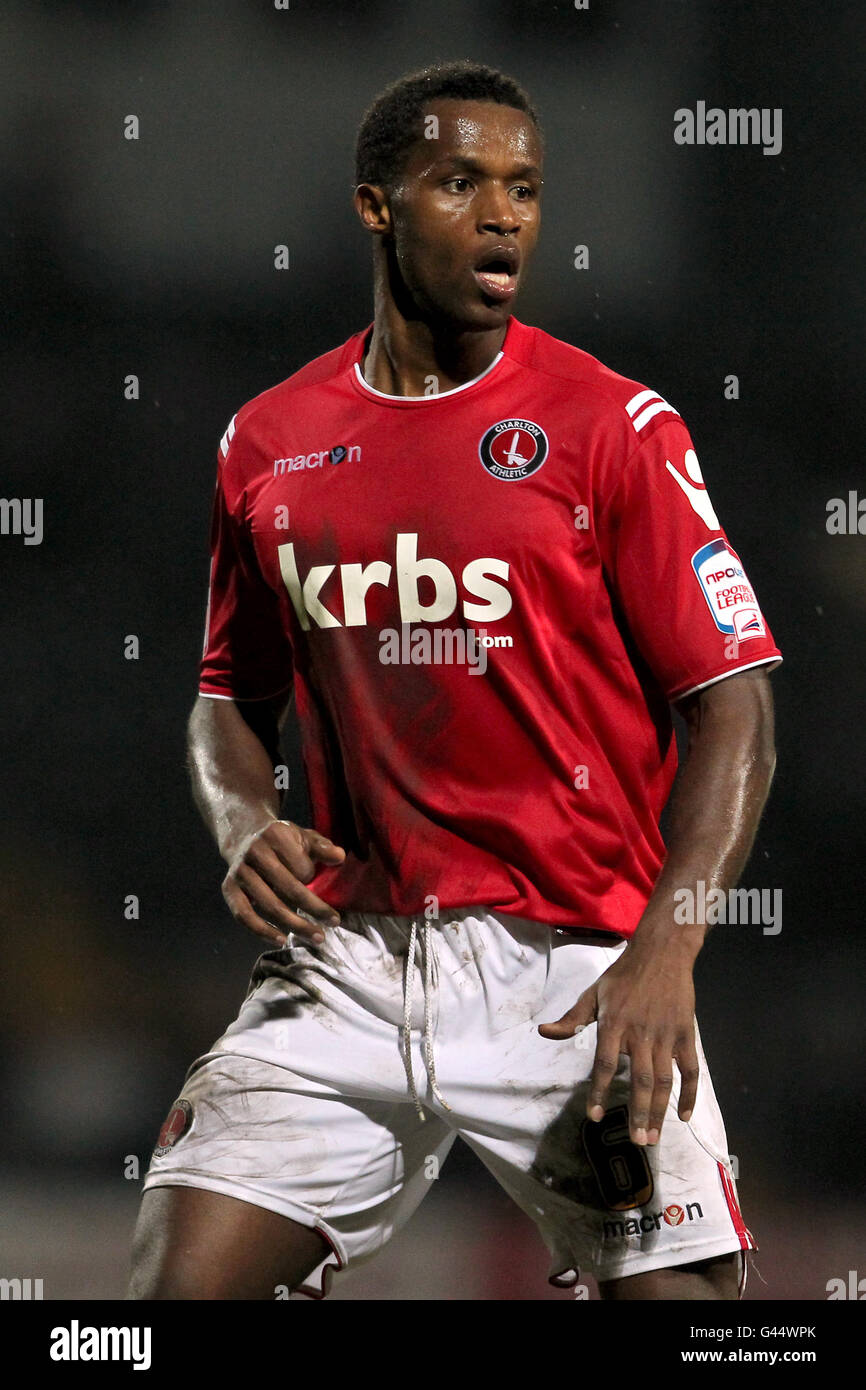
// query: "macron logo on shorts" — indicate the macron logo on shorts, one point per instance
point(673, 1215)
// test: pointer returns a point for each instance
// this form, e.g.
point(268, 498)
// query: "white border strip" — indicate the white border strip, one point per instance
point(246, 700)
point(726, 674)
point(436, 396)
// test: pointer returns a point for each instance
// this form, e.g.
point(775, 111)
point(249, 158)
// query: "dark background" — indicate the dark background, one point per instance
point(155, 257)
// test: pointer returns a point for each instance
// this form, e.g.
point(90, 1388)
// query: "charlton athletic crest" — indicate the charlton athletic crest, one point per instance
point(177, 1122)
point(513, 449)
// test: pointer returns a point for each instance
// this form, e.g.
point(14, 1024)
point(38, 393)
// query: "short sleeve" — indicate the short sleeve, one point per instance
point(683, 588)
point(246, 653)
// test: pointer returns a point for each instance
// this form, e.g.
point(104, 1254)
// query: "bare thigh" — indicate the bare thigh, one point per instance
point(716, 1278)
point(193, 1244)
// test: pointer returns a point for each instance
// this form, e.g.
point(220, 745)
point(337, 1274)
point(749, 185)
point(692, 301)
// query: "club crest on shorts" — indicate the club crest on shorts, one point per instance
point(175, 1126)
point(513, 449)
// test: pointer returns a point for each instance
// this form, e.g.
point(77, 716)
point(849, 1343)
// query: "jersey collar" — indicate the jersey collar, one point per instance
point(365, 389)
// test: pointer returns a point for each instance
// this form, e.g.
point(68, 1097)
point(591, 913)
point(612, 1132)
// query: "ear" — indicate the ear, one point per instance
point(371, 204)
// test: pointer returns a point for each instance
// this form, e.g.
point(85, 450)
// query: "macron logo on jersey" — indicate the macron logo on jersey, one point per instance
point(355, 580)
point(316, 459)
point(645, 406)
point(294, 462)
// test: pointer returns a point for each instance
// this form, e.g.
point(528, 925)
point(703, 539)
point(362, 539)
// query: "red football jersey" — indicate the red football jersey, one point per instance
point(486, 600)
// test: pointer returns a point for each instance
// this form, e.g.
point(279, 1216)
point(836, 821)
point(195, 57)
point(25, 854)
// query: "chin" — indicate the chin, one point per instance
point(497, 315)
point(480, 317)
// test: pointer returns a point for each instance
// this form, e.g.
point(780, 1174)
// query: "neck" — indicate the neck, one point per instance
point(411, 357)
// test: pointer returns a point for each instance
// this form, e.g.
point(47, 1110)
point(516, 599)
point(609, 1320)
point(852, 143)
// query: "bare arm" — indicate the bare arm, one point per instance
point(644, 1002)
point(231, 750)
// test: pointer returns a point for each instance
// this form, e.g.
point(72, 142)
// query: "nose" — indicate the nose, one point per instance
point(498, 214)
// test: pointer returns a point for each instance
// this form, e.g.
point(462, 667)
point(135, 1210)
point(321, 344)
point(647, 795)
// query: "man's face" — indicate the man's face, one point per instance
point(466, 212)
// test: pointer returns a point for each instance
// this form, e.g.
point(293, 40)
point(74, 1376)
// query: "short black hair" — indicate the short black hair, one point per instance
point(394, 121)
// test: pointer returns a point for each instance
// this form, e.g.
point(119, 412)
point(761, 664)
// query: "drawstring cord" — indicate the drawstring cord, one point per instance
point(427, 965)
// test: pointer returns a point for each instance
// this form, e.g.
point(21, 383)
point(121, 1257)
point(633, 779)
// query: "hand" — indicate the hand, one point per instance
point(645, 1007)
point(266, 878)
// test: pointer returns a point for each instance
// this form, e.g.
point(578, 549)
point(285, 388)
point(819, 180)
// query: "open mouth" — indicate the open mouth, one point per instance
point(497, 276)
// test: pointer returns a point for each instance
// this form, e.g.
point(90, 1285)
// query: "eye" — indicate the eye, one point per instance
point(525, 191)
point(459, 179)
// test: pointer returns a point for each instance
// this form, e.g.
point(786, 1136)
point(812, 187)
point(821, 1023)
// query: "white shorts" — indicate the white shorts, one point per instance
point(305, 1107)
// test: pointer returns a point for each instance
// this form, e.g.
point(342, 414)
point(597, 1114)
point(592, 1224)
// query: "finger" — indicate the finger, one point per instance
point(687, 1061)
point(318, 846)
point(266, 904)
point(664, 1080)
point(603, 1071)
point(286, 841)
point(302, 847)
point(270, 868)
point(581, 1014)
point(640, 1094)
point(243, 911)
